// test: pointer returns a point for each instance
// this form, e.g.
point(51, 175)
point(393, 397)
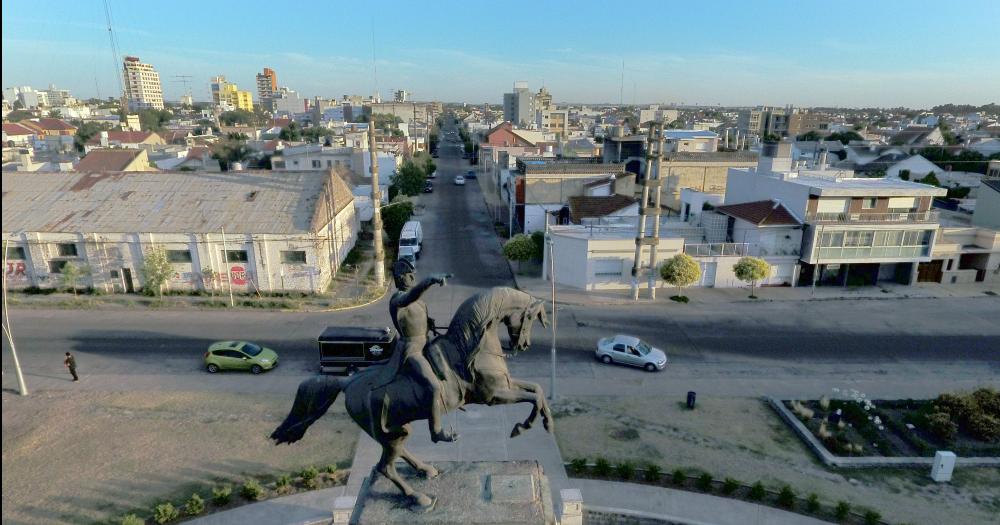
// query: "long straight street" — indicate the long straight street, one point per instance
point(740, 349)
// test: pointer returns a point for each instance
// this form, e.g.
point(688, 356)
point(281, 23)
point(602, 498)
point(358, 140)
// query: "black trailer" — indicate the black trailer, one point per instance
point(347, 349)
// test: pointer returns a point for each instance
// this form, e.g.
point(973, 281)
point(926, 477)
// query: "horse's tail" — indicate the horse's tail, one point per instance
point(312, 400)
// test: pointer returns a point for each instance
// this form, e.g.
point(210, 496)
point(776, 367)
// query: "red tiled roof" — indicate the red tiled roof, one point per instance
point(761, 213)
point(282, 122)
point(15, 129)
point(585, 207)
point(198, 152)
point(50, 124)
point(107, 159)
point(123, 137)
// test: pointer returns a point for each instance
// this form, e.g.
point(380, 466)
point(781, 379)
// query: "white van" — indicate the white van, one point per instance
point(411, 238)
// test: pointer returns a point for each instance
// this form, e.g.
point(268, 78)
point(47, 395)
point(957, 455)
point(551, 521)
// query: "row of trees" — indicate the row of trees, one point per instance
point(410, 178)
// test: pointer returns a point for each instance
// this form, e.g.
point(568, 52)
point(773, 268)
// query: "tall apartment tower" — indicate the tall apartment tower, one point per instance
point(519, 106)
point(267, 84)
point(142, 85)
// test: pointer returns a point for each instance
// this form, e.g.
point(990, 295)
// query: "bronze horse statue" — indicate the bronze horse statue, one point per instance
point(468, 359)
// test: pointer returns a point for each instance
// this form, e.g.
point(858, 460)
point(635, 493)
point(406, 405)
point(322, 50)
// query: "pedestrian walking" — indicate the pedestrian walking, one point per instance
point(70, 363)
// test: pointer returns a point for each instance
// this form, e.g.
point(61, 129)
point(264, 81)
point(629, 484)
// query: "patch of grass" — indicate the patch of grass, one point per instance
point(786, 498)
point(652, 473)
point(812, 503)
point(757, 492)
point(578, 465)
point(678, 477)
point(222, 494)
point(602, 467)
point(704, 482)
point(842, 510)
point(730, 485)
point(625, 470)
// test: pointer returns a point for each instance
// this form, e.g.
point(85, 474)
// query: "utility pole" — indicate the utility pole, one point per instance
point(21, 386)
point(651, 183)
point(376, 203)
point(552, 278)
point(654, 176)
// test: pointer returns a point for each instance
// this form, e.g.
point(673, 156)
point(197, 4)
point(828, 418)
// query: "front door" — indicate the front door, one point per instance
point(929, 272)
point(127, 280)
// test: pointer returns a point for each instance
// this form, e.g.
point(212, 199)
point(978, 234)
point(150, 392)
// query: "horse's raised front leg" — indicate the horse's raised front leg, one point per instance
point(518, 394)
point(426, 469)
point(542, 404)
point(387, 467)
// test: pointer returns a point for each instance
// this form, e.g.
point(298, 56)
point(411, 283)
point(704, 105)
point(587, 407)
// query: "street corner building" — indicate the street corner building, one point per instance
point(254, 231)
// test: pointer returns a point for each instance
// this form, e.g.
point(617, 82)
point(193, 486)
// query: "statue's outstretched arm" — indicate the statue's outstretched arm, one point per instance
point(414, 294)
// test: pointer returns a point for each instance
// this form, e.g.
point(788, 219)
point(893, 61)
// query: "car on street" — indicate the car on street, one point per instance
point(459, 180)
point(632, 351)
point(428, 187)
point(471, 174)
point(239, 355)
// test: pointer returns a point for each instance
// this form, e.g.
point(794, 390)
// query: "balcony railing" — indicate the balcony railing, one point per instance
point(736, 249)
point(873, 252)
point(872, 217)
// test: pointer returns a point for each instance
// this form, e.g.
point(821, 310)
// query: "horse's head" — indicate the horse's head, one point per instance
point(519, 325)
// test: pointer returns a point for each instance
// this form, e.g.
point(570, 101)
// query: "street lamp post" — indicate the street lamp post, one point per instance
point(22, 387)
point(552, 278)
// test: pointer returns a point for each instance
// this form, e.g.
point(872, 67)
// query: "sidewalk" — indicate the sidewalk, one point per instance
point(542, 289)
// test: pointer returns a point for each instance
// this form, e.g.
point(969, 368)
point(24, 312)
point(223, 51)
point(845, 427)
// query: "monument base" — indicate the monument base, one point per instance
point(487, 492)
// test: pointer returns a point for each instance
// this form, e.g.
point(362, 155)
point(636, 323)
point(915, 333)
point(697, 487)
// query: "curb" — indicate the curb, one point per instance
point(831, 460)
point(354, 306)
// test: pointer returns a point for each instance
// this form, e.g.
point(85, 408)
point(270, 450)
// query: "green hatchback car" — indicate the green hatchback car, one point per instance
point(239, 355)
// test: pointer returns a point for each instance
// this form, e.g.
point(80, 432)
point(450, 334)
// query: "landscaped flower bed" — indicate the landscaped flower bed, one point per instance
point(785, 497)
point(967, 424)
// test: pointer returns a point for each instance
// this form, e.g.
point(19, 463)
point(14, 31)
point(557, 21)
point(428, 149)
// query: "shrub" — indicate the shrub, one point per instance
point(252, 490)
point(678, 477)
point(757, 491)
point(750, 270)
point(165, 513)
point(984, 427)
point(222, 494)
point(704, 482)
point(195, 505)
point(941, 425)
point(519, 248)
point(872, 517)
point(625, 470)
point(578, 465)
point(283, 483)
point(330, 469)
point(680, 270)
point(652, 473)
point(988, 400)
point(602, 467)
point(132, 519)
point(842, 510)
point(812, 503)
point(786, 498)
point(309, 473)
point(730, 485)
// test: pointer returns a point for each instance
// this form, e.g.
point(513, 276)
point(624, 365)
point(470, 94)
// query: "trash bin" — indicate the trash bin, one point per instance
point(690, 402)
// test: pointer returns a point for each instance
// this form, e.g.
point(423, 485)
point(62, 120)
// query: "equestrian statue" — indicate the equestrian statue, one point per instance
point(427, 377)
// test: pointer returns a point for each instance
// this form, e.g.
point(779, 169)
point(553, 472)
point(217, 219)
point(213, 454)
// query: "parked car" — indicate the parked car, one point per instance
point(471, 174)
point(239, 355)
point(411, 239)
point(632, 351)
point(459, 180)
point(428, 187)
point(350, 348)
point(433, 175)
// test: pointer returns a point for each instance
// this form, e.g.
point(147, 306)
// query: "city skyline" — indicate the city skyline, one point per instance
point(890, 54)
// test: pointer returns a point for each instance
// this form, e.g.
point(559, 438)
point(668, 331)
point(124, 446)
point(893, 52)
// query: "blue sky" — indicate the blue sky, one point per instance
point(847, 53)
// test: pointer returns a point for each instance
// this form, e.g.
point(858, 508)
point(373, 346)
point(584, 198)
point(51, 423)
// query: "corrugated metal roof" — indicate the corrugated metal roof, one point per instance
point(167, 202)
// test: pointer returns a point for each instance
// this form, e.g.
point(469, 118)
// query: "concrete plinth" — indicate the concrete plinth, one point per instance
point(502, 492)
point(944, 464)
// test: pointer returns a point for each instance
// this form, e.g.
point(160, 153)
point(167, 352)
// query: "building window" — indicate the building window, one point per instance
point(329, 164)
point(854, 238)
point(832, 239)
point(15, 252)
point(316, 164)
point(235, 256)
point(293, 257)
point(950, 262)
point(868, 203)
point(57, 266)
point(67, 249)
point(179, 256)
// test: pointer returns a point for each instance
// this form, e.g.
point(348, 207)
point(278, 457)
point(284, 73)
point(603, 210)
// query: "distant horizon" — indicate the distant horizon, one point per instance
point(891, 54)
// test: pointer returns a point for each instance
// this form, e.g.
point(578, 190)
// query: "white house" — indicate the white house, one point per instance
point(917, 165)
point(255, 231)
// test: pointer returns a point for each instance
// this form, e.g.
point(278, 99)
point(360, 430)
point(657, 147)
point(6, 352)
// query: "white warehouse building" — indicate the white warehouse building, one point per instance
point(254, 231)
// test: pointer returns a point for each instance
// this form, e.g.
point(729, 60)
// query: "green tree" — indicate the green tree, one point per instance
point(156, 270)
point(394, 216)
point(931, 179)
point(229, 151)
point(55, 113)
point(209, 278)
point(238, 116)
point(87, 130)
point(409, 179)
point(519, 248)
point(538, 238)
point(316, 133)
point(71, 274)
point(904, 174)
point(19, 114)
point(811, 135)
point(750, 270)
point(680, 270)
point(154, 119)
point(845, 136)
point(291, 133)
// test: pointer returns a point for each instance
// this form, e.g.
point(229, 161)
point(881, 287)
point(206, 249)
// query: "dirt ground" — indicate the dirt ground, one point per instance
point(85, 457)
point(743, 439)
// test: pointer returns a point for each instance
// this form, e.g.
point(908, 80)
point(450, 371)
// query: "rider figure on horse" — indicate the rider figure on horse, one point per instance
point(409, 316)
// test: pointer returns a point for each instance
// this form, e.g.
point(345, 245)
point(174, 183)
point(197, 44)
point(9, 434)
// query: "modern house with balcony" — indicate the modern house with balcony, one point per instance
point(855, 231)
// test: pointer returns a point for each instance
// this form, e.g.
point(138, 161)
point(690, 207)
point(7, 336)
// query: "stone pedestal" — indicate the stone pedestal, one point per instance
point(502, 492)
point(944, 464)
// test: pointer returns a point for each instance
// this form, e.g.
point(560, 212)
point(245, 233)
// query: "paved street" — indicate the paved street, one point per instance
point(897, 348)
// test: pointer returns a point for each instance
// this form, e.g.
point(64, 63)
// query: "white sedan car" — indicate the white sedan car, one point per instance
point(629, 350)
point(459, 180)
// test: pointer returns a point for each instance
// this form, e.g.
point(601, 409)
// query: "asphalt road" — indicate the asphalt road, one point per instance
point(887, 348)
